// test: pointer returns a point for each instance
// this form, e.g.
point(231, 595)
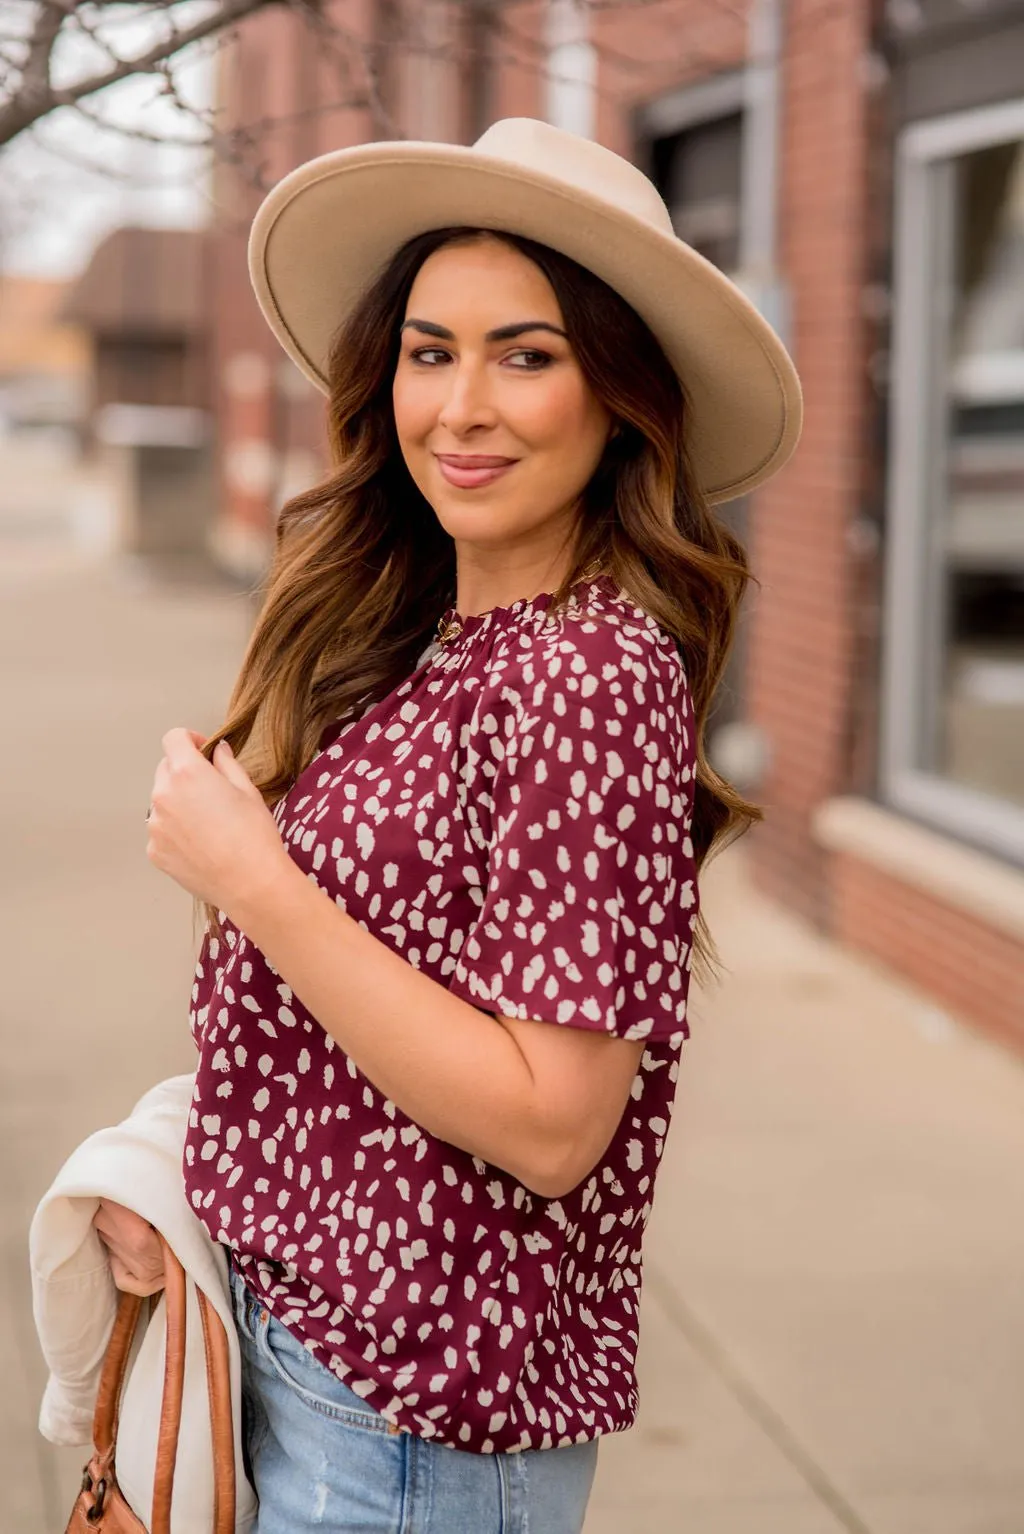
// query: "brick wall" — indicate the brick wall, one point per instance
point(270, 422)
point(645, 52)
point(974, 970)
point(801, 630)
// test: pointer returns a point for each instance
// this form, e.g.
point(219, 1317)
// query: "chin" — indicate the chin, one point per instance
point(472, 514)
point(477, 525)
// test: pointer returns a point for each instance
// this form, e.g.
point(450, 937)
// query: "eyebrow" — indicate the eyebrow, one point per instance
point(503, 332)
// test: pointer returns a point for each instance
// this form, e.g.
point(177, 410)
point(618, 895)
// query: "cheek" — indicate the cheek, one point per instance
point(415, 410)
point(560, 416)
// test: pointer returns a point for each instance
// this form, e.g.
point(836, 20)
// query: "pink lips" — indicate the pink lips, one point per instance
point(469, 470)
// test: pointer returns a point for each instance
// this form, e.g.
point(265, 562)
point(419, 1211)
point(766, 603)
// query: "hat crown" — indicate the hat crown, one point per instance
point(541, 149)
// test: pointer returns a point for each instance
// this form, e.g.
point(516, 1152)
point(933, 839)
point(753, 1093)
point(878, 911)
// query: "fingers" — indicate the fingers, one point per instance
point(183, 750)
point(181, 745)
point(136, 1256)
point(111, 1219)
point(181, 753)
point(229, 767)
point(178, 742)
point(161, 783)
point(122, 1224)
point(130, 1282)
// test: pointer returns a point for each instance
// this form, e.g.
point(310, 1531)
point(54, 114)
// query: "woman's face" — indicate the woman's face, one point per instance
point(496, 421)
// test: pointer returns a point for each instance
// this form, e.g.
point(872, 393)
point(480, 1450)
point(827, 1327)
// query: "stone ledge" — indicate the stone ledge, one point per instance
point(956, 875)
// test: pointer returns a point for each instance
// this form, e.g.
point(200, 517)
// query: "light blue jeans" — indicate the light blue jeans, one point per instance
point(322, 1458)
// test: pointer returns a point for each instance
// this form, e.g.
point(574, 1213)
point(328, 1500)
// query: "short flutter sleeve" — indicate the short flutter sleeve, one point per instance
point(591, 893)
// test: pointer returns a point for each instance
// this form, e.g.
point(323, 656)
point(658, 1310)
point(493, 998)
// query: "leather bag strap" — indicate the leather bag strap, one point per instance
point(115, 1364)
point(174, 1390)
point(218, 1381)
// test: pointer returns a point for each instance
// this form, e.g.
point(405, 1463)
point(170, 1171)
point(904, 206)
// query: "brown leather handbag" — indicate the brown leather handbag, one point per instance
point(100, 1505)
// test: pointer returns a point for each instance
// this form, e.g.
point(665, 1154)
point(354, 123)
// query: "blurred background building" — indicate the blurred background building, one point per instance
point(858, 168)
point(44, 369)
point(143, 301)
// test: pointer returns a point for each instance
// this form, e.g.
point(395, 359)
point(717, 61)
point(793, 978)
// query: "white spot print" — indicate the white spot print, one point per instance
point(554, 881)
point(591, 940)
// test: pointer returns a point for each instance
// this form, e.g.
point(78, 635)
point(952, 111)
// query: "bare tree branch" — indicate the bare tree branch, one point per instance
point(38, 96)
point(29, 94)
point(232, 145)
point(103, 169)
point(35, 74)
point(145, 135)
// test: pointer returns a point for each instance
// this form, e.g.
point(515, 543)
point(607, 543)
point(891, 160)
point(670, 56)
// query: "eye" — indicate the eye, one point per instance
point(427, 354)
point(533, 361)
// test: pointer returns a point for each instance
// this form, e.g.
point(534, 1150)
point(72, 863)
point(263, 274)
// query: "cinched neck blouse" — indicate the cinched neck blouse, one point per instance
point(513, 819)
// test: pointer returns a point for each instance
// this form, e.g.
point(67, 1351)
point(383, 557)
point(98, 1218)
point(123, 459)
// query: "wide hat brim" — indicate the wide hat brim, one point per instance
point(326, 230)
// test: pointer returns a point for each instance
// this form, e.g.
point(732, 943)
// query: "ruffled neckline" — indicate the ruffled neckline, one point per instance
point(455, 627)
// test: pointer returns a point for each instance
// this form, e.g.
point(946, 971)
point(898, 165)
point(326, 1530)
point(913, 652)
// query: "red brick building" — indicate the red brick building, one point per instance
point(859, 168)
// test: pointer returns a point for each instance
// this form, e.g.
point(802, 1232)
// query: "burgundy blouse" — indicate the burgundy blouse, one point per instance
point(514, 820)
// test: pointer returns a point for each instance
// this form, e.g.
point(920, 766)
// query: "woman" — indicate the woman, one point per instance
point(430, 1107)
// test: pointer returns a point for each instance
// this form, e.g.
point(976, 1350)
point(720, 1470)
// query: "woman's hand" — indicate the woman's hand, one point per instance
point(136, 1257)
point(209, 828)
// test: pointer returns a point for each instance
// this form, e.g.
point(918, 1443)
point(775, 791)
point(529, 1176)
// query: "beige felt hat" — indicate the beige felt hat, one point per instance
point(328, 228)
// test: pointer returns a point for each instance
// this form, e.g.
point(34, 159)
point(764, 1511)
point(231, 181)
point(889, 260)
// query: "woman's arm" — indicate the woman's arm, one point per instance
point(539, 1100)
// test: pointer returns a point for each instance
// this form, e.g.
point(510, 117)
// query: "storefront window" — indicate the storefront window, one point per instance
point(699, 171)
point(955, 618)
point(980, 736)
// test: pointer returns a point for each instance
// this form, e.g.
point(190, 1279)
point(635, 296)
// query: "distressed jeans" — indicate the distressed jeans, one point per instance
point(322, 1459)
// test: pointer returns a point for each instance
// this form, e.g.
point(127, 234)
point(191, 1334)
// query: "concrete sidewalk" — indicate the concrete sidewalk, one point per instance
point(834, 1331)
point(834, 1308)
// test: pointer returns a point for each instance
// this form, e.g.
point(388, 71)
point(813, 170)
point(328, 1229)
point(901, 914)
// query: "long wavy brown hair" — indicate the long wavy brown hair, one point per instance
point(362, 568)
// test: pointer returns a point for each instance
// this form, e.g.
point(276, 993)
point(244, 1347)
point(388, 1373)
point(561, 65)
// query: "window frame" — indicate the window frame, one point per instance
point(924, 154)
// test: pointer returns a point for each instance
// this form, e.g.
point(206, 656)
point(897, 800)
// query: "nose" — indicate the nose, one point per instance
point(468, 402)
